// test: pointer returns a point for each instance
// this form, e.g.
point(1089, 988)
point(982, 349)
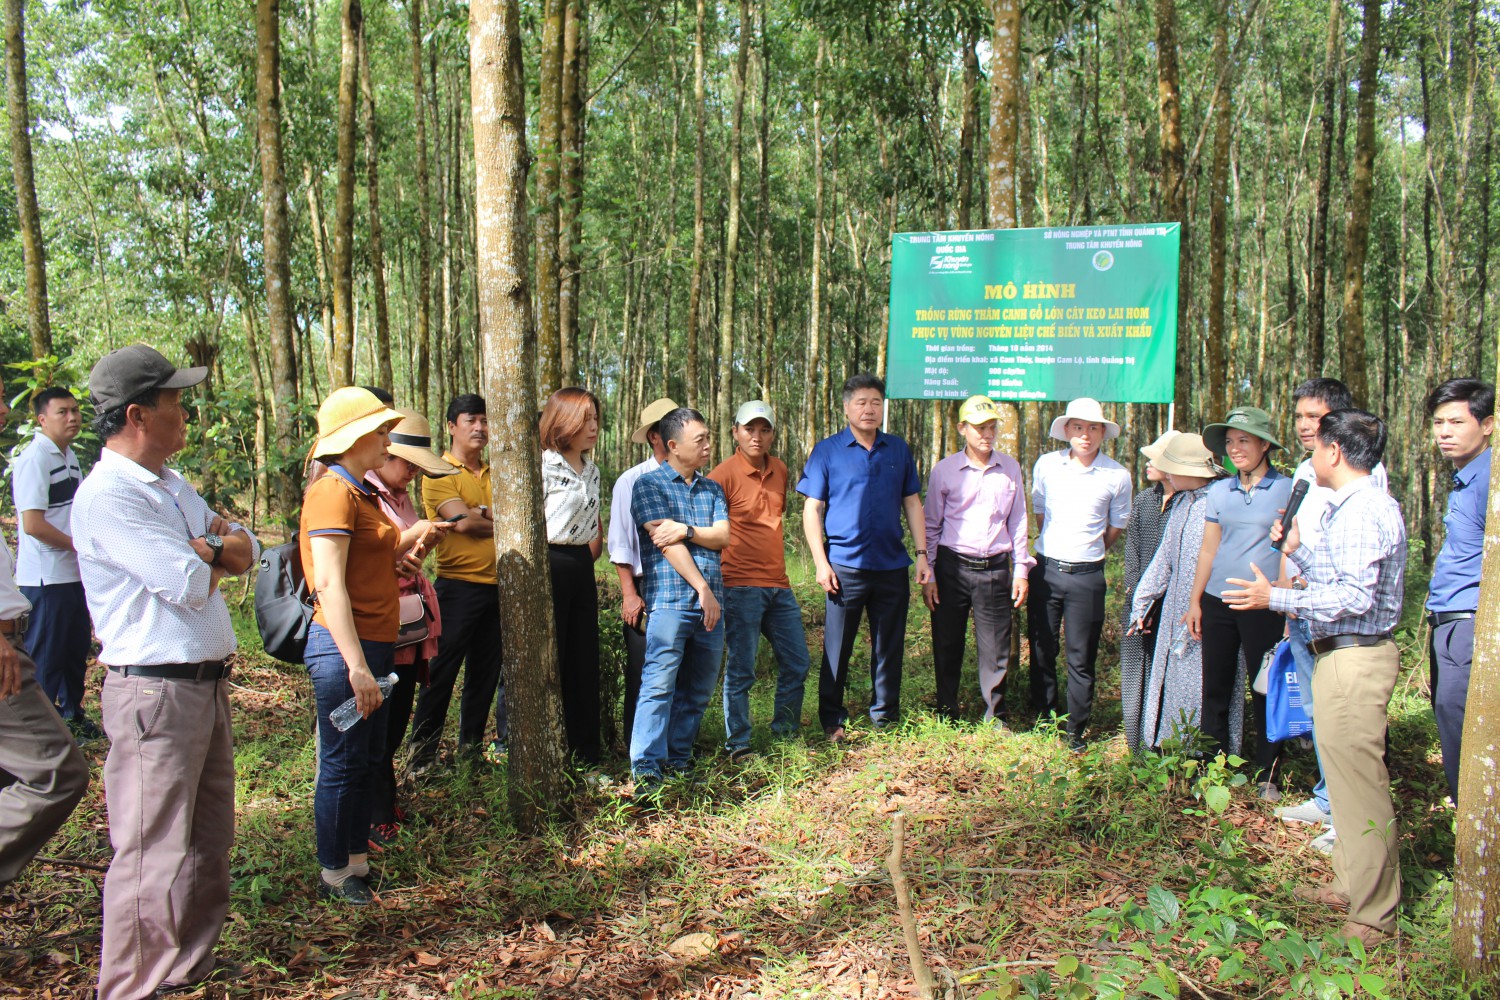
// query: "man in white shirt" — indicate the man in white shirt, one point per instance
point(1081, 499)
point(151, 554)
point(1313, 399)
point(44, 478)
point(625, 552)
point(42, 773)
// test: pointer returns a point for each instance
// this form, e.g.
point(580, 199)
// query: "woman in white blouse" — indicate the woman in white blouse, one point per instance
point(570, 493)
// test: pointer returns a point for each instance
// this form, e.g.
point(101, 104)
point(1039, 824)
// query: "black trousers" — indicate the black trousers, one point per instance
point(1225, 633)
point(886, 595)
point(985, 593)
point(575, 608)
point(471, 640)
point(635, 662)
point(1071, 604)
point(381, 778)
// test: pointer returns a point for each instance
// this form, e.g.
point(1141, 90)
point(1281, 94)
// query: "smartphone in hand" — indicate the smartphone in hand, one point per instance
point(456, 518)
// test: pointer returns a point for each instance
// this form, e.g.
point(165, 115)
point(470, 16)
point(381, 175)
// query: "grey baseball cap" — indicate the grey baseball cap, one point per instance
point(755, 409)
point(122, 375)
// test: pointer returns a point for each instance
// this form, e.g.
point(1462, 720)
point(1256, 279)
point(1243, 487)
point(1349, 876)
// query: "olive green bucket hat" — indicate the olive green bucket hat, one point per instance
point(1250, 419)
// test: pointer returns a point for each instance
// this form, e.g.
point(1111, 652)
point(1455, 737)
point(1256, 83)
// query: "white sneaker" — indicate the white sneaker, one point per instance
point(1324, 842)
point(1308, 812)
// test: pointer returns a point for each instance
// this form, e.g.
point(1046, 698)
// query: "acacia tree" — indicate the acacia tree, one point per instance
point(1174, 185)
point(38, 316)
point(1357, 233)
point(538, 772)
point(341, 367)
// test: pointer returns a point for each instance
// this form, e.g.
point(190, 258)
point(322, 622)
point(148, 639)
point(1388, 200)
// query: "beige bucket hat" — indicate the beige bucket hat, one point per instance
point(651, 414)
point(1187, 455)
point(1090, 412)
point(411, 439)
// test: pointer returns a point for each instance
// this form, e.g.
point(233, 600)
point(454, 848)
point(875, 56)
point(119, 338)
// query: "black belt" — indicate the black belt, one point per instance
point(1332, 642)
point(208, 670)
point(1437, 618)
point(1071, 567)
point(997, 561)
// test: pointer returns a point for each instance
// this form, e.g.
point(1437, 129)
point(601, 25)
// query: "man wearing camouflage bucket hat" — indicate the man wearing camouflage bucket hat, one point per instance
point(976, 530)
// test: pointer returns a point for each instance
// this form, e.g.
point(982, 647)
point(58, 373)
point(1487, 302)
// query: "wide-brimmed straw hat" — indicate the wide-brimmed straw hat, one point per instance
point(1187, 455)
point(1250, 419)
point(411, 439)
point(347, 415)
point(1153, 450)
point(651, 415)
point(1090, 412)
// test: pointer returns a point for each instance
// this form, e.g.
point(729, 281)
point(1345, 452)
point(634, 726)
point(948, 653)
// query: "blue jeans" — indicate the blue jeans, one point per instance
point(682, 664)
point(749, 613)
point(341, 803)
point(1298, 637)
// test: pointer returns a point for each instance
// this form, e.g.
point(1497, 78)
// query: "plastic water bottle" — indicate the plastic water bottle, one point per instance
point(347, 714)
point(1179, 648)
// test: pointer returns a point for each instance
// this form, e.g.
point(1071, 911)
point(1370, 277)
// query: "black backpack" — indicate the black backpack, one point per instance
point(283, 604)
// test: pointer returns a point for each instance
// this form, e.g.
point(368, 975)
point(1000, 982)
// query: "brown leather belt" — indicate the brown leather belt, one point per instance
point(1332, 642)
point(15, 627)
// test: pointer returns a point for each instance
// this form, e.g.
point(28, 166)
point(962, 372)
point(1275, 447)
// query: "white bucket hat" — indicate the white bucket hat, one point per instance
point(1090, 412)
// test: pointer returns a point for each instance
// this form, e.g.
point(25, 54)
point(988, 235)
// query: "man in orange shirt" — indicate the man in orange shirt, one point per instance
point(758, 596)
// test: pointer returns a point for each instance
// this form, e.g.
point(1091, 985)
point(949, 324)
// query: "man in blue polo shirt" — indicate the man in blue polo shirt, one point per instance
point(1462, 411)
point(857, 483)
point(683, 521)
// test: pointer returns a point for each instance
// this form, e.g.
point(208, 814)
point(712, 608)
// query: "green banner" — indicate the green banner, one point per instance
point(1019, 314)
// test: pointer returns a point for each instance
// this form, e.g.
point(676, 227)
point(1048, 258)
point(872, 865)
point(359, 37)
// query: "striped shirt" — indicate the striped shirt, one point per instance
point(148, 590)
point(1356, 573)
point(44, 477)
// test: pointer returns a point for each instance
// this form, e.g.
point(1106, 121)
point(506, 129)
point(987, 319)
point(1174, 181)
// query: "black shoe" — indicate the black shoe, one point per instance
point(741, 755)
point(223, 971)
point(353, 890)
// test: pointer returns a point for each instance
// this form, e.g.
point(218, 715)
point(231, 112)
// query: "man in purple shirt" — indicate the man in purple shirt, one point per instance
point(976, 530)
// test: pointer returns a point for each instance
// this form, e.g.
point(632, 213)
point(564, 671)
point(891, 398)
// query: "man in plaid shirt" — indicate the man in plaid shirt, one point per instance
point(683, 520)
point(1350, 593)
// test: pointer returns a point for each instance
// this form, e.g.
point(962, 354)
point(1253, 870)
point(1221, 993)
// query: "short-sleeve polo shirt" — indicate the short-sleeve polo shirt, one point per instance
point(337, 504)
point(863, 489)
point(1244, 520)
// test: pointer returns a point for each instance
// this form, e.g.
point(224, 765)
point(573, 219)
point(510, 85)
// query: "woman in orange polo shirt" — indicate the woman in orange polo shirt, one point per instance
point(349, 553)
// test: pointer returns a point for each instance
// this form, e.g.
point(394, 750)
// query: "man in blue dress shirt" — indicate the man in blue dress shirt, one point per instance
point(857, 484)
point(1462, 411)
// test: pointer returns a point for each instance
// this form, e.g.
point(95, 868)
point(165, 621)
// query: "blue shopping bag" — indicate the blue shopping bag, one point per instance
point(1286, 714)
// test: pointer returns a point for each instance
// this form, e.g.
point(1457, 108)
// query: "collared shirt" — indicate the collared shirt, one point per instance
point(1077, 503)
point(13, 604)
point(459, 556)
point(1310, 514)
point(756, 553)
point(148, 591)
point(1356, 573)
point(44, 477)
point(1244, 518)
point(624, 540)
point(978, 511)
point(1455, 572)
point(661, 494)
point(865, 490)
point(570, 499)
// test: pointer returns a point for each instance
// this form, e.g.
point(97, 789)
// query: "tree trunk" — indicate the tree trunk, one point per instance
point(1317, 266)
point(343, 205)
point(1174, 189)
point(764, 271)
point(1218, 220)
point(695, 290)
point(725, 415)
point(1361, 189)
point(814, 367)
point(967, 132)
point(33, 249)
point(276, 244)
point(1476, 876)
point(538, 764)
point(575, 85)
point(548, 151)
point(1004, 156)
point(377, 242)
point(424, 212)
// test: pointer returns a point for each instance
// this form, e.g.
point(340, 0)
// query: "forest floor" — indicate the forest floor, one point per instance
point(1033, 871)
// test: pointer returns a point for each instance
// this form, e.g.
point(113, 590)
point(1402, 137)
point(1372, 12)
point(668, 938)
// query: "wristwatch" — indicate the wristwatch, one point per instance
point(690, 533)
point(215, 545)
point(484, 511)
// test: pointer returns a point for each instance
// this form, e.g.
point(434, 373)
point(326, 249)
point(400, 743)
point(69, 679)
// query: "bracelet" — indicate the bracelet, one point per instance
point(921, 552)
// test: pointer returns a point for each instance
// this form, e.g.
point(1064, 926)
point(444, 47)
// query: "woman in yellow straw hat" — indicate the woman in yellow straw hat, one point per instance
point(349, 552)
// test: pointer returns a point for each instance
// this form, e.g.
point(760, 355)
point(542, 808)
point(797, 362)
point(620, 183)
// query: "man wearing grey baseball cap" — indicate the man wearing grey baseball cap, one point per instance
point(151, 554)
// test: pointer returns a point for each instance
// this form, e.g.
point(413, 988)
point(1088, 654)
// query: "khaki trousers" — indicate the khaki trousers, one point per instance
point(1352, 688)
point(169, 784)
point(42, 773)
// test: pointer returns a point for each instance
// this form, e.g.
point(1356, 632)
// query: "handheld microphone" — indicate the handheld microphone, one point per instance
point(1299, 493)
